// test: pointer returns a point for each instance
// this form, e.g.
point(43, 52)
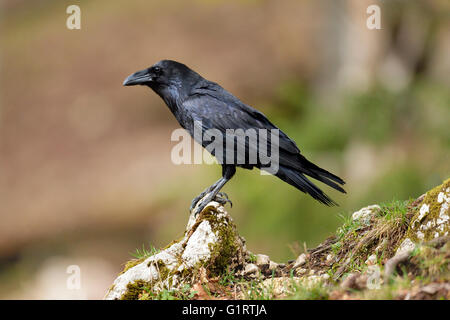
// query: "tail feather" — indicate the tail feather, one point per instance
point(311, 169)
point(299, 181)
point(323, 177)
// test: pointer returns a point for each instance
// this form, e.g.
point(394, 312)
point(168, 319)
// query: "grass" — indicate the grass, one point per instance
point(144, 253)
point(315, 292)
point(185, 293)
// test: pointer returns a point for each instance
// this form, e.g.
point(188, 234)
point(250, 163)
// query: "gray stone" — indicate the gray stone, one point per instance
point(262, 259)
point(301, 260)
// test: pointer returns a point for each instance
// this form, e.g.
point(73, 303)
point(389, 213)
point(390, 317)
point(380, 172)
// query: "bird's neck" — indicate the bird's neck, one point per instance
point(173, 98)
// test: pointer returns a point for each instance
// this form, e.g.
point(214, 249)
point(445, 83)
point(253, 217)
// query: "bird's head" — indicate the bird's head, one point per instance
point(162, 75)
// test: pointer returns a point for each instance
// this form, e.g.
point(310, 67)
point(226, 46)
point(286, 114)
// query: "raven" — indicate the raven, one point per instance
point(193, 99)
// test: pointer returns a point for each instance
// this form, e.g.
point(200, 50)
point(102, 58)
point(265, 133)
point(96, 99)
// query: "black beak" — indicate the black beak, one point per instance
point(141, 77)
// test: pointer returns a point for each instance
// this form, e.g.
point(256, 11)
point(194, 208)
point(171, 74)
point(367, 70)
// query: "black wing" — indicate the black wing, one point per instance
point(217, 109)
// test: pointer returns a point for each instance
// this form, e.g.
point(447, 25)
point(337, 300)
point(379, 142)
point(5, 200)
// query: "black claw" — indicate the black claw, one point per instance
point(223, 199)
point(220, 197)
point(223, 195)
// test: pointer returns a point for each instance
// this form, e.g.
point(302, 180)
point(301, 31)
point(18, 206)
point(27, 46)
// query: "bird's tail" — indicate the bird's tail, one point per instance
point(297, 179)
point(316, 172)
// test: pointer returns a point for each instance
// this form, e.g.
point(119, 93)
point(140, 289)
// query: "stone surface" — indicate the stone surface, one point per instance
point(433, 218)
point(406, 246)
point(366, 213)
point(251, 269)
point(301, 260)
point(371, 260)
point(210, 240)
point(262, 259)
point(273, 266)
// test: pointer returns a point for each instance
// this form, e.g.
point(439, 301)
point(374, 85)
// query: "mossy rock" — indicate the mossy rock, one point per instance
point(432, 218)
point(402, 247)
point(210, 243)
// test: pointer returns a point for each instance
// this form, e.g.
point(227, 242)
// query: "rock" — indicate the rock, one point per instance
point(279, 286)
point(432, 220)
point(355, 281)
point(262, 259)
point(325, 276)
point(432, 288)
point(406, 246)
point(371, 260)
point(401, 255)
point(301, 271)
point(301, 260)
point(210, 240)
point(273, 266)
point(366, 213)
point(250, 269)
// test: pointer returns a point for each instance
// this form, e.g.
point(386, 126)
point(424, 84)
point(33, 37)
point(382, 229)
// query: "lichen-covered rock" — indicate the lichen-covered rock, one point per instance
point(432, 219)
point(210, 242)
point(366, 213)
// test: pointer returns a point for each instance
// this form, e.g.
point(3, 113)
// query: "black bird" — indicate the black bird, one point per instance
point(192, 98)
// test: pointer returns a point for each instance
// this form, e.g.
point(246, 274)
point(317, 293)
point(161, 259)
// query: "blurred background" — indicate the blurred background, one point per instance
point(85, 169)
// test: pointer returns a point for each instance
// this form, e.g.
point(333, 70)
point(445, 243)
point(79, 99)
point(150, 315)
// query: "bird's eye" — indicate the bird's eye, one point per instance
point(157, 70)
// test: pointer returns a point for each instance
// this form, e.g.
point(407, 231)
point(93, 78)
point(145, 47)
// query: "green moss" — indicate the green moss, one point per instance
point(135, 290)
point(144, 290)
point(163, 270)
point(424, 227)
point(223, 251)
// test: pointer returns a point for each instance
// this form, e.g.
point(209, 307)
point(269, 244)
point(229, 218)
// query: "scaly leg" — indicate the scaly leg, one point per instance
point(212, 193)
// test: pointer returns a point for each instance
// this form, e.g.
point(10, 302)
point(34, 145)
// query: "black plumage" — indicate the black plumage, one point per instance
point(193, 99)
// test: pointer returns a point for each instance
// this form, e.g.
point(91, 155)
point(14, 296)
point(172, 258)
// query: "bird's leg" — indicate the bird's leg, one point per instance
point(201, 195)
point(211, 195)
point(227, 173)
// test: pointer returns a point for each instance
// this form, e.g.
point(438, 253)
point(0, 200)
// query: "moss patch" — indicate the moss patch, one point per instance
point(432, 219)
point(224, 250)
point(135, 290)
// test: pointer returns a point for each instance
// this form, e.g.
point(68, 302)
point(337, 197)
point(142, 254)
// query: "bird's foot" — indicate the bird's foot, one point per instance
point(200, 202)
point(223, 199)
point(196, 200)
